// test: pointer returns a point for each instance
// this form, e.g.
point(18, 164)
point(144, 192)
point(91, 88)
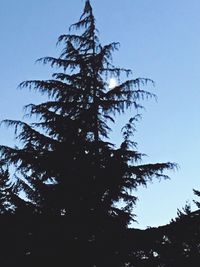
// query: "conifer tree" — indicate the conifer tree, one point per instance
point(5, 192)
point(66, 165)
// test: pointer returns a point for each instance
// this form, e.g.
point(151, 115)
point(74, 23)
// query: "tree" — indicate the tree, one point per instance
point(171, 245)
point(66, 165)
point(5, 192)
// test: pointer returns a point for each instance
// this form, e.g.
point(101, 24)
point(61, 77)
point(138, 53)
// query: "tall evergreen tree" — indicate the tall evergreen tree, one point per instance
point(66, 164)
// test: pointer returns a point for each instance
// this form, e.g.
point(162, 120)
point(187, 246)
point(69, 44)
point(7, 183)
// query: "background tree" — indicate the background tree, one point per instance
point(66, 165)
point(5, 192)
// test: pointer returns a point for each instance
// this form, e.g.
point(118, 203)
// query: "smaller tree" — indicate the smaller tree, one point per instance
point(5, 192)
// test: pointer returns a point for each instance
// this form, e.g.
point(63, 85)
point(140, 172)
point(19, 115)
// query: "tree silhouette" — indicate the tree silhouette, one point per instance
point(5, 192)
point(175, 244)
point(66, 166)
point(171, 245)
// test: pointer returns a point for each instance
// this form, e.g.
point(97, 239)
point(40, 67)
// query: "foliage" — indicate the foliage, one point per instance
point(66, 166)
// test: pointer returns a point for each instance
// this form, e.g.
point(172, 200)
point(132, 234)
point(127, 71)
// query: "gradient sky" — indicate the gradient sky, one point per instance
point(159, 40)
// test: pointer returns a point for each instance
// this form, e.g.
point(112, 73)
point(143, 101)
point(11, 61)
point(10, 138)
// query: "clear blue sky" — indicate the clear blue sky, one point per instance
point(159, 40)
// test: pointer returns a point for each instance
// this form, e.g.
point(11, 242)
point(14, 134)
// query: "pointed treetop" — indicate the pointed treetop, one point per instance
point(87, 9)
point(88, 6)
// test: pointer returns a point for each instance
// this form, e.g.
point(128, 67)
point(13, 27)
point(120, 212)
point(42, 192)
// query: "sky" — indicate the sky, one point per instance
point(159, 40)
